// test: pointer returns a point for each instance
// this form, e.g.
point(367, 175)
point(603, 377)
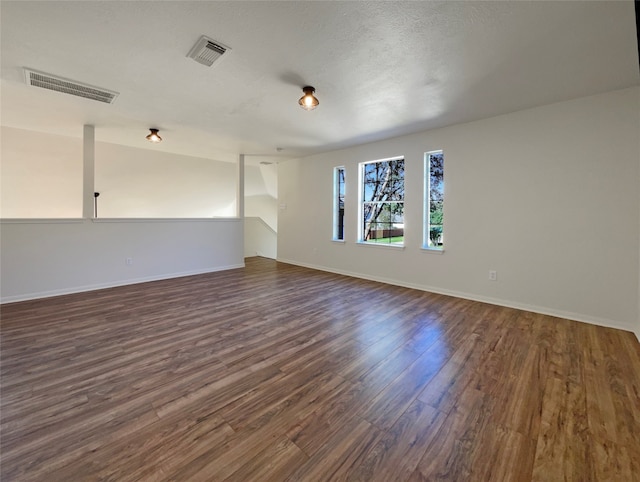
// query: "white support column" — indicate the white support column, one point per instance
point(88, 170)
point(240, 187)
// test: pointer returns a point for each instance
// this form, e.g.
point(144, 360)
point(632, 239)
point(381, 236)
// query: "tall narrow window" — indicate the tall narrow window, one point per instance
point(338, 204)
point(382, 202)
point(434, 200)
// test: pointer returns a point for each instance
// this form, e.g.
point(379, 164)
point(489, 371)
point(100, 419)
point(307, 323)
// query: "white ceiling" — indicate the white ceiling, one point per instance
point(380, 69)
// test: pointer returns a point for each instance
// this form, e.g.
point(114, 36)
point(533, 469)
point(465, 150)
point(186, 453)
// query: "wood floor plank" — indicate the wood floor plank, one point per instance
point(611, 413)
point(340, 408)
point(223, 460)
point(521, 402)
point(401, 448)
point(611, 460)
point(343, 451)
point(444, 389)
point(378, 352)
point(451, 454)
point(146, 456)
point(564, 449)
point(390, 404)
point(242, 411)
point(276, 462)
point(277, 372)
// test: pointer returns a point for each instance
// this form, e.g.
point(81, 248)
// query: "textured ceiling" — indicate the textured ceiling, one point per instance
point(380, 69)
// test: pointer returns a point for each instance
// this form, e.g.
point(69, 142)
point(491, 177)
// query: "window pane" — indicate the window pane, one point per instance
point(338, 203)
point(382, 203)
point(368, 209)
point(434, 196)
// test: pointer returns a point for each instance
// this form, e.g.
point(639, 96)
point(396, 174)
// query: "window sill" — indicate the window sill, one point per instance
point(163, 220)
point(341, 241)
point(42, 220)
point(112, 220)
point(380, 245)
point(428, 249)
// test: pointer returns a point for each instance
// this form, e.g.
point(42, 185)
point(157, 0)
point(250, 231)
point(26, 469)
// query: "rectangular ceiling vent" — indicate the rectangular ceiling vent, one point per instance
point(206, 51)
point(66, 86)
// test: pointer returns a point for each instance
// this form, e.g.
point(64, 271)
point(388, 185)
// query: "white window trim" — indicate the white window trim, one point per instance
point(334, 200)
point(426, 202)
point(361, 201)
point(432, 250)
point(381, 245)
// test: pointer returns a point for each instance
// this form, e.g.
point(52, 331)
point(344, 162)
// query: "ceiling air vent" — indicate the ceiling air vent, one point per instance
point(66, 86)
point(207, 51)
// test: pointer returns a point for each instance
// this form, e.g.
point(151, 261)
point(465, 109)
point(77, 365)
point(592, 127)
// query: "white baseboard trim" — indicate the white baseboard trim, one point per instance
point(469, 296)
point(101, 286)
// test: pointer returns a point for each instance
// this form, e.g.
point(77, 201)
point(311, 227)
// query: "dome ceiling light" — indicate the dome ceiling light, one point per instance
point(308, 101)
point(153, 136)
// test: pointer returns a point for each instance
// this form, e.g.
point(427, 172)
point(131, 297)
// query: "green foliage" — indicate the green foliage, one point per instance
point(436, 217)
point(434, 233)
point(392, 240)
point(436, 178)
point(436, 197)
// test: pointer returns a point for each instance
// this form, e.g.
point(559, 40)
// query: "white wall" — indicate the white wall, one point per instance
point(40, 175)
point(50, 257)
point(264, 207)
point(261, 191)
point(261, 210)
point(548, 197)
point(136, 183)
point(42, 178)
point(259, 238)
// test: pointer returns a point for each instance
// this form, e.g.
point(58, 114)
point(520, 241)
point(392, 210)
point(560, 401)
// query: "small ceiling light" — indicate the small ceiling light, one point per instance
point(308, 101)
point(153, 136)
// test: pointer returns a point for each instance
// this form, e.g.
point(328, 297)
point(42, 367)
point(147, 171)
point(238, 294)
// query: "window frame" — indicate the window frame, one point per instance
point(337, 216)
point(362, 201)
point(427, 243)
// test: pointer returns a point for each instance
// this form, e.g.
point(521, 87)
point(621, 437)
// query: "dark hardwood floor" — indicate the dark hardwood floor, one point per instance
point(276, 372)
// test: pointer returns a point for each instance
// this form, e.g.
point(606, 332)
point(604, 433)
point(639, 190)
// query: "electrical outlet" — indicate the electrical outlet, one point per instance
point(493, 275)
point(128, 261)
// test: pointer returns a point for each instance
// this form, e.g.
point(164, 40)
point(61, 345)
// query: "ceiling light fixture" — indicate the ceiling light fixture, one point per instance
point(308, 101)
point(153, 136)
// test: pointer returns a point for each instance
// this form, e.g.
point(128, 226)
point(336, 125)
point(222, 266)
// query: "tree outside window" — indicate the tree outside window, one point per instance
point(434, 197)
point(338, 204)
point(382, 209)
